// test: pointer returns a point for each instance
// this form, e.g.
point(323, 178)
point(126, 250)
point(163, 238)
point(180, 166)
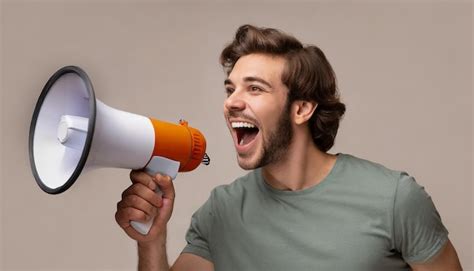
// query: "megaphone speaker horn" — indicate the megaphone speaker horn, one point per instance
point(71, 131)
point(54, 166)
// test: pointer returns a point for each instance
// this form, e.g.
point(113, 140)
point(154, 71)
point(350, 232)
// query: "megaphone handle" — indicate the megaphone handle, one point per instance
point(156, 165)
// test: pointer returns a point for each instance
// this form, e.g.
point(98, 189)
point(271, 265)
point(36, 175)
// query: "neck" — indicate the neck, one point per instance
point(303, 166)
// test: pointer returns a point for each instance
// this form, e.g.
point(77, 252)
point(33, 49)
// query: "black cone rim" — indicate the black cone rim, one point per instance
point(92, 110)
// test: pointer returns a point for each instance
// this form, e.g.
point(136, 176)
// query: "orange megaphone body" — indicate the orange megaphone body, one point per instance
point(181, 143)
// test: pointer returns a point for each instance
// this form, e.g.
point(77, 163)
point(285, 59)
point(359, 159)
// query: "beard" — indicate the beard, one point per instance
point(274, 144)
point(275, 147)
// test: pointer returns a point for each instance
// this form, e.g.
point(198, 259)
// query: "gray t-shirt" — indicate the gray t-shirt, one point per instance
point(362, 216)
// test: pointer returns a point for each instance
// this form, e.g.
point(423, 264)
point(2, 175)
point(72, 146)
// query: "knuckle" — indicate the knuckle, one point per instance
point(160, 178)
point(141, 216)
point(156, 199)
point(157, 202)
point(151, 210)
point(130, 212)
point(135, 189)
point(135, 214)
point(127, 191)
point(134, 200)
point(151, 184)
point(134, 175)
point(120, 218)
point(140, 186)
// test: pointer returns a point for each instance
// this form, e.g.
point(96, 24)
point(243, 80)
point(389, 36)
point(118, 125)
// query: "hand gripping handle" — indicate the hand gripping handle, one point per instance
point(156, 165)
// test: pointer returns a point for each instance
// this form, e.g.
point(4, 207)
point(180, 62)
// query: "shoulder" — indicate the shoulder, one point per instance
point(362, 166)
point(373, 181)
point(370, 173)
point(409, 193)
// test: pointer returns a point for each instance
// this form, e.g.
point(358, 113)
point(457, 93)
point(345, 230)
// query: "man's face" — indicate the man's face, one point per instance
point(256, 110)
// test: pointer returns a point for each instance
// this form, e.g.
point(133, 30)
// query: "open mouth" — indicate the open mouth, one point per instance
point(245, 132)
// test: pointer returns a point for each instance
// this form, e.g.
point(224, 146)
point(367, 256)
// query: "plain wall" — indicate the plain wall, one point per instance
point(404, 72)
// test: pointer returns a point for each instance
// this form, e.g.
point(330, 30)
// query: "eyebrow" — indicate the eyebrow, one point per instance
point(249, 79)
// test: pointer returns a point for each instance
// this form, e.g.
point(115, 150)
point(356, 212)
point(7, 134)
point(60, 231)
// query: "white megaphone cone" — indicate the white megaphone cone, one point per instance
point(72, 132)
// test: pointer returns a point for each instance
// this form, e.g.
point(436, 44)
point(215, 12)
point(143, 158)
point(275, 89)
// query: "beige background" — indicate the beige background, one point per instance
point(404, 71)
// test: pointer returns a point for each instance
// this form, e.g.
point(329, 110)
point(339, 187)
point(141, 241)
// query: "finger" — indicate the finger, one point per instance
point(138, 176)
point(166, 186)
point(144, 192)
point(137, 202)
point(125, 215)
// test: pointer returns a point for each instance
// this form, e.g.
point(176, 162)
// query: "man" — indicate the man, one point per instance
point(300, 208)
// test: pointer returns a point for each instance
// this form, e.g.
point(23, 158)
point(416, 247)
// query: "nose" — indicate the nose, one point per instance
point(234, 102)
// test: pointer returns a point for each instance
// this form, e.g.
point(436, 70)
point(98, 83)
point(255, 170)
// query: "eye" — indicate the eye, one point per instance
point(255, 88)
point(229, 91)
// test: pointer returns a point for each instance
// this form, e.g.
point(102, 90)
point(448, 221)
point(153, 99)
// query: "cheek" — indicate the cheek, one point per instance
point(268, 114)
point(225, 111)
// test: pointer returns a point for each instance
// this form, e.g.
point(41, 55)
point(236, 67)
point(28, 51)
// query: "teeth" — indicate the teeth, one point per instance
point(242, 125)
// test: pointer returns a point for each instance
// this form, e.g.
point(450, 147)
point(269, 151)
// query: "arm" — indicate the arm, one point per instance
point(153, 256)
point(447, 259)
point(419, 234)
point(139, 203)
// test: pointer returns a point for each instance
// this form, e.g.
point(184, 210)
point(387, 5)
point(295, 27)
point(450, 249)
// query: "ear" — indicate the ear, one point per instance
point(302, 111)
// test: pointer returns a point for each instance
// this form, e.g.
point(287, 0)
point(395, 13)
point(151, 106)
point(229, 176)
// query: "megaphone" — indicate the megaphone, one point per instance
point(71, 132)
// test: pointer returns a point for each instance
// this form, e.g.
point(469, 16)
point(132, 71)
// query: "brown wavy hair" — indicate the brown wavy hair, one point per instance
point(307, 74)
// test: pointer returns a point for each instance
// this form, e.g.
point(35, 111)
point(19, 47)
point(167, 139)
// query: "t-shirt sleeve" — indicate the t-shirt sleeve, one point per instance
point(197, 236)
point(418, 231)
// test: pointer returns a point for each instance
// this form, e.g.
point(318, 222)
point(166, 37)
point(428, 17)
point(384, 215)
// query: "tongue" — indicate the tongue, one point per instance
point(248, 137)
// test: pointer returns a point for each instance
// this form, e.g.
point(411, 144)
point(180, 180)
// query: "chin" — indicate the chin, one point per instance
point(247, 164)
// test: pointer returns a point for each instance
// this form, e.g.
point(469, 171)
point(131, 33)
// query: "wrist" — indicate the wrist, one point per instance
point(152, 254)
point(155, 243)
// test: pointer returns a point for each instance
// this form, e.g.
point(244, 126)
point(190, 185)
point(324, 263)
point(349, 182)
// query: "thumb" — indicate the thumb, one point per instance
point(164, 213)
point(166, 186)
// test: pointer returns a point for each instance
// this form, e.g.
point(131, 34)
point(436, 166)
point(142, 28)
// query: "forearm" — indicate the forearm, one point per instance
point(152, 256)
